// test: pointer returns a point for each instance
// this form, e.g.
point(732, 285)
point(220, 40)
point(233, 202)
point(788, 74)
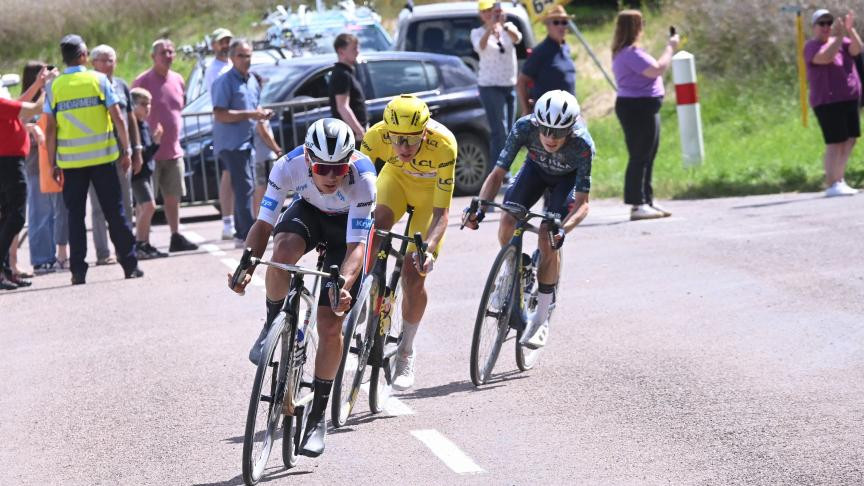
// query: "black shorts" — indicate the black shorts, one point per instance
point(316, 226)
point(531, 183)
point(839, 121)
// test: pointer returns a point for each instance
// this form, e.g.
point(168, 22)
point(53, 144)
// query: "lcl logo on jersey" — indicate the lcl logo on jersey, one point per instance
point(445, 182)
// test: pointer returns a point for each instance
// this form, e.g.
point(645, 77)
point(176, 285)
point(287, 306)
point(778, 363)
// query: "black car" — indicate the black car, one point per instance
point(297, 91)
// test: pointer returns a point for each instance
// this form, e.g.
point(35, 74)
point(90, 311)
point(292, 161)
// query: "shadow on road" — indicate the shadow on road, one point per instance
point(778, 203)
point(267, 477)
point(462, 386)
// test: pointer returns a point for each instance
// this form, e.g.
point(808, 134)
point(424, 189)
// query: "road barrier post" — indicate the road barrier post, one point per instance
point(689, 115)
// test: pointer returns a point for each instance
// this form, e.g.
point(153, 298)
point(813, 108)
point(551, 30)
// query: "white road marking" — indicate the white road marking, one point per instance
point(447, 451)
point(212, 249)
point(194, 237)
point(232, 264)
point(394, 406)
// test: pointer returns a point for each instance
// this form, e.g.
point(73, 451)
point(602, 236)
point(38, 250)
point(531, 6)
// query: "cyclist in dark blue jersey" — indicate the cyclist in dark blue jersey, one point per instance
point(560, 151)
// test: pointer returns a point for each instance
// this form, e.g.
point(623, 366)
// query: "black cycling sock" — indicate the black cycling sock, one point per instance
point(545, 288)
point(273, 308)
point(322, 396)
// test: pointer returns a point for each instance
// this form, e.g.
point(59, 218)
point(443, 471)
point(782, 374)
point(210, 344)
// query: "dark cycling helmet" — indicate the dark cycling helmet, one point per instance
point(556, 109)
point(330, 140)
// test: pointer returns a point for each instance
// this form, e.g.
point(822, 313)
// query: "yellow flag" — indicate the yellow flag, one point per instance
point(536, 8)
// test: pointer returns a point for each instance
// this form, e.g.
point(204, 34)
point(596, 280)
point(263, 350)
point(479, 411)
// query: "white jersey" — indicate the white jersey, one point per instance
point(356, 196)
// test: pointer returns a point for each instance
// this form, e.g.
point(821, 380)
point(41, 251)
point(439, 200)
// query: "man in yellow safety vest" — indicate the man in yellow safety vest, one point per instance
point(80, 106)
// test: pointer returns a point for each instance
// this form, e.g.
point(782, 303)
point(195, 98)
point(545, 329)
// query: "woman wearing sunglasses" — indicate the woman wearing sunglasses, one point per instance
point(495, 42)
point(560, 151)
point(549, 67)
point(334, 187)
point(835, 88)
point(418, 156)
point(640, 94)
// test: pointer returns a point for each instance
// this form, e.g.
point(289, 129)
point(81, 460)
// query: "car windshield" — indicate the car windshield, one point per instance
point(276, 78)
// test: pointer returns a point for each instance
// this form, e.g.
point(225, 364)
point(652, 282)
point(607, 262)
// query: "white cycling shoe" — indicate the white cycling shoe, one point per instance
point(535, 336)
point(403, 378)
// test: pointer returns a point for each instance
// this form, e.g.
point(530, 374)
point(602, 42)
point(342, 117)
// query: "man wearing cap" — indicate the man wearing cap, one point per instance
point(835, 89)
point(549, 66)
point(81, 111)
point(221, 41)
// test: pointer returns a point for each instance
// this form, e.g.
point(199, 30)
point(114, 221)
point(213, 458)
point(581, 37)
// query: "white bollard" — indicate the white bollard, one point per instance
point(689, 117)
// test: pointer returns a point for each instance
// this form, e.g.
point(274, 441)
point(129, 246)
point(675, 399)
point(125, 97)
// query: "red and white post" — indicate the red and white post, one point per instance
point(689, 116)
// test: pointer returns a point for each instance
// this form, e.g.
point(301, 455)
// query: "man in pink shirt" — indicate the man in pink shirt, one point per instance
point(167, 88)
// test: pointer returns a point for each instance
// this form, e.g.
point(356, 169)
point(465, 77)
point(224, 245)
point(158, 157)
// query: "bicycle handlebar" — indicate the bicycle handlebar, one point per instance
point(552, 220)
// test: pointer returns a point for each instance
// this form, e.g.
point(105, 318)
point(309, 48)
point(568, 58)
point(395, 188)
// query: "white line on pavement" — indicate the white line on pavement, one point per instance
point(193, 237)
point(447, 451)
point(212, 249)
point(394, 406)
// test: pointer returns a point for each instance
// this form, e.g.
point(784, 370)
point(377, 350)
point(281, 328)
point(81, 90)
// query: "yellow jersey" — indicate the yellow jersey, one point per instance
point(434, 165)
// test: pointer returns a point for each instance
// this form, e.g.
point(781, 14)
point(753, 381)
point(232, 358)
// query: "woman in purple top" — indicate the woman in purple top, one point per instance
point(835, 89)
point(640, 94)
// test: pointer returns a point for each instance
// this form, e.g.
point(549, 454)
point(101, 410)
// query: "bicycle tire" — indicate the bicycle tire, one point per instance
point(304, 374)
point(480, 371)
point(381, 387)
point(356, 345)
point(253, 467)
point(526, 357)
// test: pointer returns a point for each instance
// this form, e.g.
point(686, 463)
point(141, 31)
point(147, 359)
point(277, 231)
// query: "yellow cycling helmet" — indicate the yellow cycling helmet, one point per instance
point(406, 114)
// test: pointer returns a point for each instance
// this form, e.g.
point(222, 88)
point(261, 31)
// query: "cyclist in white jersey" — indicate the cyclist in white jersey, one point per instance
point(335, 195)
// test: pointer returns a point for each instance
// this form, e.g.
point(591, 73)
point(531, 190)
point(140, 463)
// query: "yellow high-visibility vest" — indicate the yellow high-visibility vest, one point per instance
point(85, 134)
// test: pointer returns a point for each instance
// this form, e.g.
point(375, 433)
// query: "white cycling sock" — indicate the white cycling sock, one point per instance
point(409, 331)
point(542, 313)
point(228, 221)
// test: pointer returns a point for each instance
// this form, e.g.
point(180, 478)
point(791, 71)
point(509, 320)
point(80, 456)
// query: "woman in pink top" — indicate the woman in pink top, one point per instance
point(835, 89)
point(640, 94)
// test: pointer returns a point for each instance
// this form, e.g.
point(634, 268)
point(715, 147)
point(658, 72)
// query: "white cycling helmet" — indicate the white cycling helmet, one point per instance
point(330, 141)
point(556, 109)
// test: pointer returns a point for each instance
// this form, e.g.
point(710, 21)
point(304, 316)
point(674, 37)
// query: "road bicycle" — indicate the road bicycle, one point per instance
point(373, 328)
point(510, 295)
point(283, 385)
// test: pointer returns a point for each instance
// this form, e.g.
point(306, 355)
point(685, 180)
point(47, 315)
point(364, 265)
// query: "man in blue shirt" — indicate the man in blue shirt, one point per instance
point(549, 66)
point(235, 97)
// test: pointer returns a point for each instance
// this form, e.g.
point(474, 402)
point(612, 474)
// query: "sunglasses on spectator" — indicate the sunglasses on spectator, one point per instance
point(559, 23)
point(500, 47)
point(825, 23)
point(403, 139)
point(324, 168)
point(556, 133)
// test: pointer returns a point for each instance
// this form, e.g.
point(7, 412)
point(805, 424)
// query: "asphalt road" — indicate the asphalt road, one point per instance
point(722, 345)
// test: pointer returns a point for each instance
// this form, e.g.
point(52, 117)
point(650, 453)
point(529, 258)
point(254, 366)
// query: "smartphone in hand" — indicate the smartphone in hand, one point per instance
point(671, 30)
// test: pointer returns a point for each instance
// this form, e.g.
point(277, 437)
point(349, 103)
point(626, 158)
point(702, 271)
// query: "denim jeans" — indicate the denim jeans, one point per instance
point(239, 164)
point(500, 105)
point(47, 223)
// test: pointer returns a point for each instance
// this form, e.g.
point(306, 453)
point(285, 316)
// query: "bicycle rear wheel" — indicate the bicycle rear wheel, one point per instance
point(265, 404)
point(357, 343)
point(381, 382)
point(493, 315)
point(526, 357)
point(303, 376)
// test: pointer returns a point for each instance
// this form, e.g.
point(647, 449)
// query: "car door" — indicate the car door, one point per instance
point(308, 102)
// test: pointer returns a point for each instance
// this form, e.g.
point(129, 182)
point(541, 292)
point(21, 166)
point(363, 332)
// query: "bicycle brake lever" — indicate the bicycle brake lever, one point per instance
point(421, 248)
point(242, 268)
point(336, 289)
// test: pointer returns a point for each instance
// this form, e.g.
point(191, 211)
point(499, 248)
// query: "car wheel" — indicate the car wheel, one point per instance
point(471, 163)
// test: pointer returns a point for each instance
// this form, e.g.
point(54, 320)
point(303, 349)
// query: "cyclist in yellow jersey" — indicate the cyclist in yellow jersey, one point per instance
point(418, 156)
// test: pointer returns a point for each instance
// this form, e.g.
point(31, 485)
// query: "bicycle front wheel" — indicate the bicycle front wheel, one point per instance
point(381, 382)
point(493, 315)
point(265, 404)
point(357, 343)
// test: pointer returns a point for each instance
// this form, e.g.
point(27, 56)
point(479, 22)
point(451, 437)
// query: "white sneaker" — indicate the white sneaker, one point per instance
point(838, 189)
point(644, 211)
point(535, 336)
point(239, 243)
point(851, 191)
point(404, 375)
point(227, 232)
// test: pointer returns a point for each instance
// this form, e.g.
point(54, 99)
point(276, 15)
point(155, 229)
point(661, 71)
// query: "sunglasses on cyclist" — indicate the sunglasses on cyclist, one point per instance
point(555, 132)
point(324, 168)
point(406, 139)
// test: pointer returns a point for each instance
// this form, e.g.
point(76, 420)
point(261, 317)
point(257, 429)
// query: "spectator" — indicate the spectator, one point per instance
point(14, 145)
point(166, 88)
point(264, 156)
point(221, 42)
point(549, 66)
point(142, 182)
point(835, 89)
point(235, 109)
point(640, 95)
point(47, 224)
point(495, 43)
point(347, 100)
point(80, 107)
point(104, 60)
